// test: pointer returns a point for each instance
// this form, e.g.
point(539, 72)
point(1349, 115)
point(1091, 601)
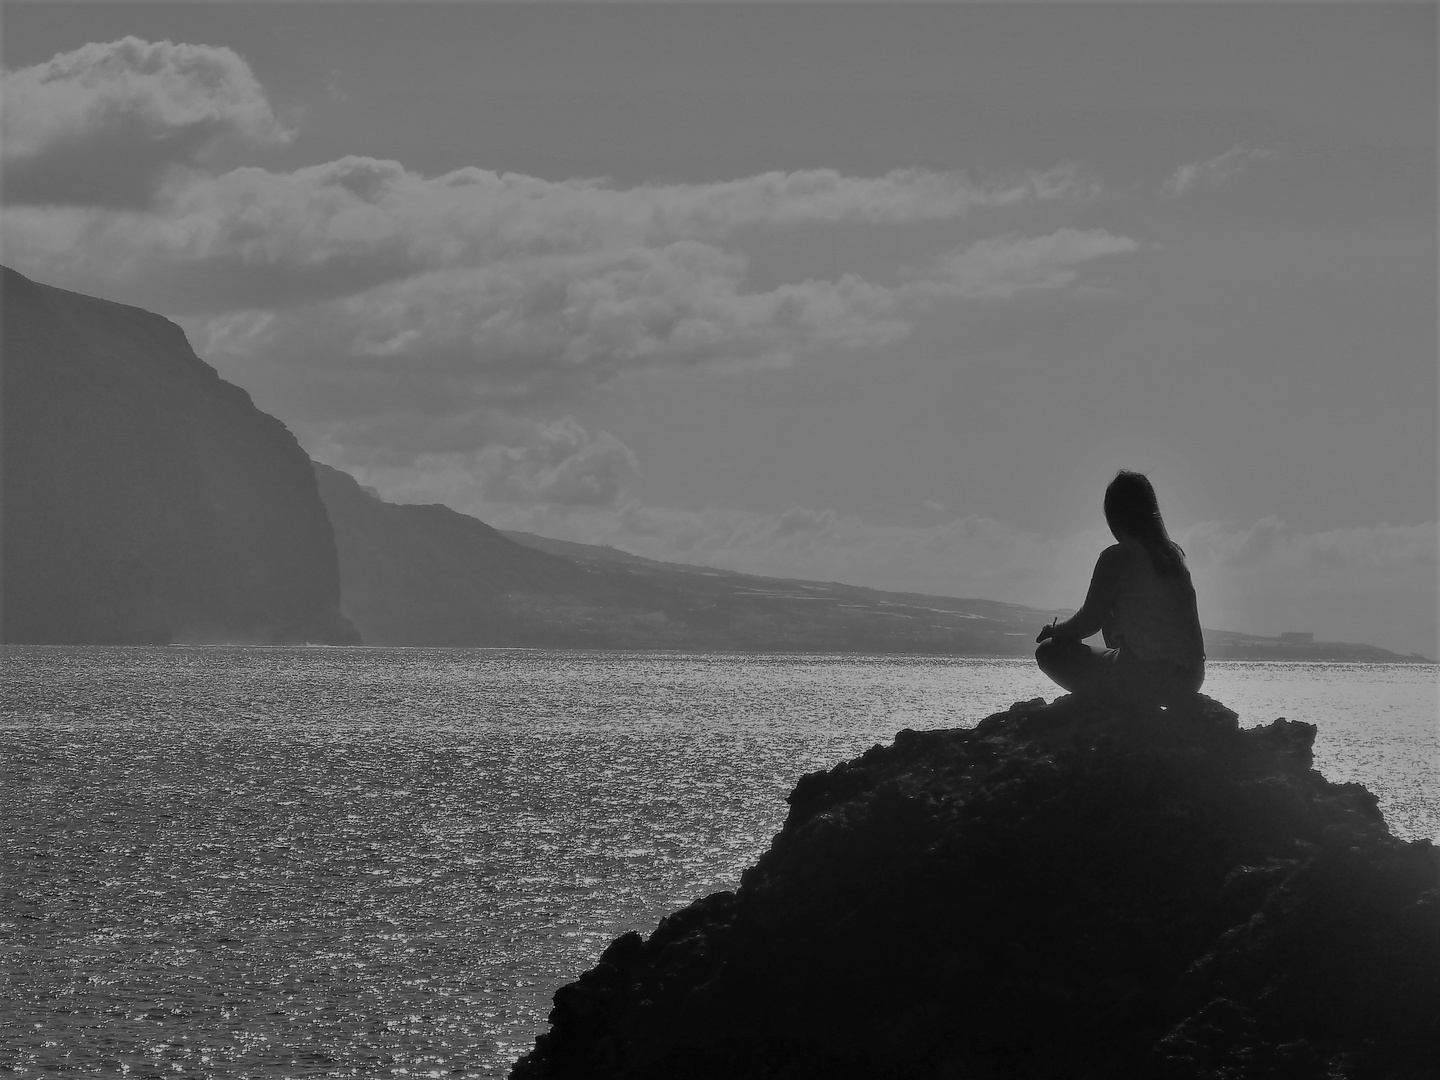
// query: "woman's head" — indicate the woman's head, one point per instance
point(1132, 510)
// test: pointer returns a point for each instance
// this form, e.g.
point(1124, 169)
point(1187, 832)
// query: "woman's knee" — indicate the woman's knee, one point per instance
point(1053, 655)
point(1044, 652)
point(1051, 649)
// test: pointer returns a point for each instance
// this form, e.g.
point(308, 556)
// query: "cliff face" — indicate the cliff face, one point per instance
point(146, 499)
point(1069, 890)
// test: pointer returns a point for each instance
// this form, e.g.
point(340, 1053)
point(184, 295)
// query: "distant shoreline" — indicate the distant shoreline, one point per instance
point(1317, 653)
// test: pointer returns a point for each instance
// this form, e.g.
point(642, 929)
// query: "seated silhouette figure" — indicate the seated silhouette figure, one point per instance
point(1143, 602)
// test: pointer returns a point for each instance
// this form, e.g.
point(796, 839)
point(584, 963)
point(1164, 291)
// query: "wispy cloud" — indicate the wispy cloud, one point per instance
point(1003, 266)
point(1212, 172)
point(553, 466)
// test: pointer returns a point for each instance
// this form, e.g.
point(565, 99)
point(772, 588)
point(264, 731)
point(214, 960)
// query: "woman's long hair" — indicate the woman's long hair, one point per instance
point(1131, 508)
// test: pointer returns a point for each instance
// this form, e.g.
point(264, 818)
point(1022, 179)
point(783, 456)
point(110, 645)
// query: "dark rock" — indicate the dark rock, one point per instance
point(1069, 890)
point(146, 499)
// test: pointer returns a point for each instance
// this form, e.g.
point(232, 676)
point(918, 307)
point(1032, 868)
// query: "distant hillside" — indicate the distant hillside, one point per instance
point(1227, 645)
point(928, 623)
point(826, 615)
point(426, 575)
point(146, 499)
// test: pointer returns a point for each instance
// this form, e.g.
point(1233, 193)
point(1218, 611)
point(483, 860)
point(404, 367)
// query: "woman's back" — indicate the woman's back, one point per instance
point(1153, 616)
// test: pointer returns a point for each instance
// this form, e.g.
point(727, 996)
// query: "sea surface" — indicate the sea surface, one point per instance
point(314, 862)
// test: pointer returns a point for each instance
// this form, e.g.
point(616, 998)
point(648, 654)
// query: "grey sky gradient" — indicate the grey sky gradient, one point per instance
point(880, 293)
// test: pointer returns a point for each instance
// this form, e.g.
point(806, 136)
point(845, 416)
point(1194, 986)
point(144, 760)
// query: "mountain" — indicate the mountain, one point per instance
point(145, 498)
point(1083, 889)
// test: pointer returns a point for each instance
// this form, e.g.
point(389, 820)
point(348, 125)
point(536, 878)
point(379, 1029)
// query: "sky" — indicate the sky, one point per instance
point(874, 293)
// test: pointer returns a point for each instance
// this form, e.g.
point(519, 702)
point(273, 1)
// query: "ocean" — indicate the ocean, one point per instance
point(318, 862)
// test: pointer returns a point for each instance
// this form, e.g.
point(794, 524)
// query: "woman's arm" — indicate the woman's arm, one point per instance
point(1099, 601)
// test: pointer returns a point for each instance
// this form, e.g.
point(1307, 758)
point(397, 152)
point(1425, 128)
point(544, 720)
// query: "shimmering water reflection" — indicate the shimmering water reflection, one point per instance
point(363, 862)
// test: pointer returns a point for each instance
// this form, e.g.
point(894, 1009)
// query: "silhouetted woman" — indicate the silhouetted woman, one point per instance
point(1142, 599)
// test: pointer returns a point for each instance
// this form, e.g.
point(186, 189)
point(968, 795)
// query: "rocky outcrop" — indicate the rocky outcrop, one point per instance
point(146, 499)
point(1075, 890)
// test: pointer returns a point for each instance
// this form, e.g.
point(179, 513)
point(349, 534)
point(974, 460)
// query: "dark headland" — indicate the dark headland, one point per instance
point(147, 499)
point(1074, 890)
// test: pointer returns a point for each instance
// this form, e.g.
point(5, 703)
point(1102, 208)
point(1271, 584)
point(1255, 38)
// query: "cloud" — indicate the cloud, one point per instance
point(1212, 172)
point(823, 195)
point(1272, 546)
point(522, 464)
point(561, 464)
point(335, 86)
point(798, 521)
point(535, 332)
point(1001, 267)
point(102, 125)
point(254, 237)
point(531, 333)
point(1375, 584)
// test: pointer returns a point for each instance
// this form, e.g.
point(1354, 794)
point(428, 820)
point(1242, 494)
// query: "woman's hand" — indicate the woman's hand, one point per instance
point(1046, 631)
